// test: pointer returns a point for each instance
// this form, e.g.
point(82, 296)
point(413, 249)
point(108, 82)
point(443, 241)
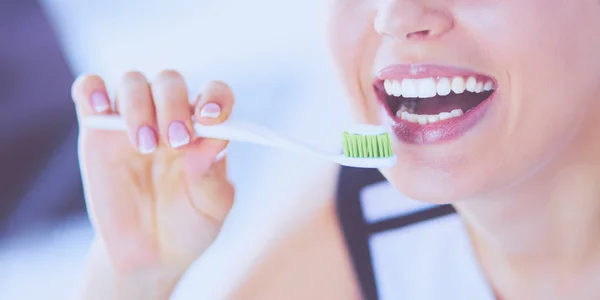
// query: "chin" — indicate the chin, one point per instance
point(429, 187)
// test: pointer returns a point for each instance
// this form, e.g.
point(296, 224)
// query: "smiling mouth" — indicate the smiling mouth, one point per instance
point(432, 100)
point(430, 104)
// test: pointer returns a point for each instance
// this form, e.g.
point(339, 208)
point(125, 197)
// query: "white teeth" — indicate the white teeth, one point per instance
point(387, 85)
point(456, 113)
point(412, 118)
point(445, 116)
point(392, 88)
point(426, 88)
point(409, 88)
point(443, 87)
point(433, 118)
point(402, 114)
point(479, 87)
point(428, 119)
point(396, 89)
point(458, 85)
point(471, 84)
point(489, 85)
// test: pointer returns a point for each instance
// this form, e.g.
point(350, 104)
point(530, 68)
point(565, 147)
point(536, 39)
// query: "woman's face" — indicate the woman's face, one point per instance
point(479, 94)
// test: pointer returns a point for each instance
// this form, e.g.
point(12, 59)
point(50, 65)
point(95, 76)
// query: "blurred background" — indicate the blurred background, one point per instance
point(271, 52)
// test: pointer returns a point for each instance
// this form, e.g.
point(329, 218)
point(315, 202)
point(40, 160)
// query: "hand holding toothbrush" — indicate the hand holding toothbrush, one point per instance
point(157, 195)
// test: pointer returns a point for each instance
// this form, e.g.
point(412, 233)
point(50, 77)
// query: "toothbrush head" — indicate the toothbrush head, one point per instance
point(367, 146)
point(367, 141)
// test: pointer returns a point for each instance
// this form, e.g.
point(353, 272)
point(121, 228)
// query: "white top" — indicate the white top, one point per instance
point(430, 260)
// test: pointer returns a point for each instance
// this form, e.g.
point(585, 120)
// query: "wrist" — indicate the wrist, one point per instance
point(104, 280)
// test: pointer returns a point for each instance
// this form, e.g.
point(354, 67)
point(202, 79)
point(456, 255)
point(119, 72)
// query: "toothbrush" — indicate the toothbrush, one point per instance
point(365, 146)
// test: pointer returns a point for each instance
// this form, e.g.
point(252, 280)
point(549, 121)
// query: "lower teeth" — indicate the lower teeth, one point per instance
point(408, 106)
point(407, 115)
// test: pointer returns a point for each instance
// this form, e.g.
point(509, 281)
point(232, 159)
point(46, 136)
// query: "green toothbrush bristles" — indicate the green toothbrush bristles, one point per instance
point(367, 146)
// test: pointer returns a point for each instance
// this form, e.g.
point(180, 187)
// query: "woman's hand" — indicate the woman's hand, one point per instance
point(157, 196)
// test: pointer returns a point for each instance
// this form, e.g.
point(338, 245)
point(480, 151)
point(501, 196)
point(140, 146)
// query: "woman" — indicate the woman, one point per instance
point(493, 108)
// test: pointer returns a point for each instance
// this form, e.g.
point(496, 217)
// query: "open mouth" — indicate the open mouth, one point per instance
point(434, 100)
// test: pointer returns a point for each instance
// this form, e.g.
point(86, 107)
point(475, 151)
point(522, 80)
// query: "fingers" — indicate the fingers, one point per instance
point(159, 111)
point(173, 112)
point(215, 104)
point(213, 107)
point(90, 96)
point(137, 109)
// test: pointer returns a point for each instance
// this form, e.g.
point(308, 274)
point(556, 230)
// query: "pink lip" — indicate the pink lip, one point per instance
point(442, 131)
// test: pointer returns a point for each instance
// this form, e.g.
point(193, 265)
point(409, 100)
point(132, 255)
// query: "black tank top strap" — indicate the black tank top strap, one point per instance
point(357, 231)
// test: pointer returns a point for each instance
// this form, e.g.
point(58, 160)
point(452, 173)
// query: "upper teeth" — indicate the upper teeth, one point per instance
point(429, 87)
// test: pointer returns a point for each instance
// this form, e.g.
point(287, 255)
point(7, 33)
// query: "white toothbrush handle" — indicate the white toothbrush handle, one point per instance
point(229, 130)
point(251, 133)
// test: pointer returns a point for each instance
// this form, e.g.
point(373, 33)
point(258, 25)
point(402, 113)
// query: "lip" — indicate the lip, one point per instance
point(439, 132)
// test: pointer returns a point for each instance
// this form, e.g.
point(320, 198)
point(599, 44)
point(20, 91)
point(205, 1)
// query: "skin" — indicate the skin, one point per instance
point(153, 214)
point(523, 179)
point(524, 182)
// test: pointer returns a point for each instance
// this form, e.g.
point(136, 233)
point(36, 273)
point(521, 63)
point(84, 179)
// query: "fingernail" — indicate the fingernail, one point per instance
point(221, 155)
point(178, 134)
point(210, 110)
point(100, 101)
point(147, 140)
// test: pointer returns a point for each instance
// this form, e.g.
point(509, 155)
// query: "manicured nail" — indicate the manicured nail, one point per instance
point(147, 140)
point(178, 134)
point(210, 110)
point(221, 155)
point(100, 101)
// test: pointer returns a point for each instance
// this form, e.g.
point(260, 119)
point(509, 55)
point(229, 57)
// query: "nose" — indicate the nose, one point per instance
point(412, 20)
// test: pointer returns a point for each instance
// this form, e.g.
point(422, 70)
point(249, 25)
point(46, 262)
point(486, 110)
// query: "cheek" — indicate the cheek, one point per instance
point(549, 69)
point(353, 44)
